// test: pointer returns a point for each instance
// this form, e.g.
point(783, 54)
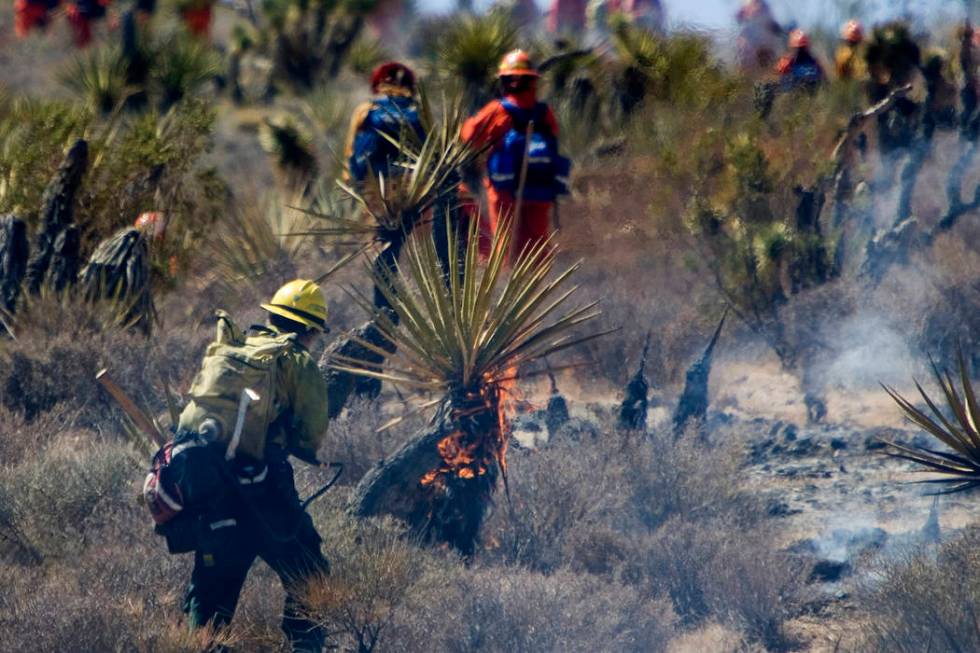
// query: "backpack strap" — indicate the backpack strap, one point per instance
point(521, 117)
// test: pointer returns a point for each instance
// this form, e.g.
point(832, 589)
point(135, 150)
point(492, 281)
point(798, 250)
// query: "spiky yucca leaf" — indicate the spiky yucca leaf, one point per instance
point(476, 330)
point(253, 244)
point(98, 78)
point(959, 469)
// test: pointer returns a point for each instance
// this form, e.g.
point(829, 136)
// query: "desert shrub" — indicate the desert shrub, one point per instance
point(486, 610)
point(924, 600)
point(68, 490)
point(668, 479)
point(118, 593)
point(63, 342)
point(375, 570)
point(556, 493)
point(711, 567)
point(21, 437)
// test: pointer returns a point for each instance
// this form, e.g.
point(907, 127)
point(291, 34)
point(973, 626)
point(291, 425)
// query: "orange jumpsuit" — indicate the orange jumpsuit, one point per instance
point(490, 125)
point(29, 15)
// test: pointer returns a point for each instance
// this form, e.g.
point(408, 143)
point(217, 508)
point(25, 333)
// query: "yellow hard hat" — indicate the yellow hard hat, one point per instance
point(300, 300)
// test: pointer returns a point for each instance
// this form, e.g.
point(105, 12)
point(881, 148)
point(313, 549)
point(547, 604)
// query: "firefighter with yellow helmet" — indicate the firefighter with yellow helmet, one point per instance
point(255, 511)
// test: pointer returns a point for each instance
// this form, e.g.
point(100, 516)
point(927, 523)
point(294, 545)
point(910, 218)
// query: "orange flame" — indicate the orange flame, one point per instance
point(471, 455)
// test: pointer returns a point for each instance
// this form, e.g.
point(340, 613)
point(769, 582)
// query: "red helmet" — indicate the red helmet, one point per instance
point(853, 31)
point(516, 64)
point(152, 223)
point(394, 74)
point(799, 39)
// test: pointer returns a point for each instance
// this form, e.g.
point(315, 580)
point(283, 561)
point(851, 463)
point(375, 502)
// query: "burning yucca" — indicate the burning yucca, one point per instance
point(463, 337)
point(959, 469)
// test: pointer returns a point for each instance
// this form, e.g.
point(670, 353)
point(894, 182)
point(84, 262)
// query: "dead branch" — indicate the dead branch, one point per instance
point(841, 156)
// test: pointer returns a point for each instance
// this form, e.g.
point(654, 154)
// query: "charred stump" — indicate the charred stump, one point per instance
point(341, 385)
point(119, 271)
point(13, 260)
point(693, 404)
point(931, 531)
point(57, 216)
point(63, 271)
point(441, 482)
point(633, 410)
point(556, 414)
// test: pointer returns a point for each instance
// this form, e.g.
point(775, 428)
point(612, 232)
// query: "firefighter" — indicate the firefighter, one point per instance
point(798, 68)
point(503, 125)
point(849, 59)
point(32, 14)
point(81, 15)
point(257, 513)
point(197, 16)
point(759, 36)
point(392, 111)
point(566, 16)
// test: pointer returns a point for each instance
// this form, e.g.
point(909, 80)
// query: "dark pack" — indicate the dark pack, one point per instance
point(185, 483)
point(375, 154)
point(547, 171)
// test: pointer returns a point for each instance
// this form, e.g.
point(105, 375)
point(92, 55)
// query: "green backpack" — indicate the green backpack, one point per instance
point(233, 363)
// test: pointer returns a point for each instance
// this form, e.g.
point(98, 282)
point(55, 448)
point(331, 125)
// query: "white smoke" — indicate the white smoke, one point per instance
point(869, 349)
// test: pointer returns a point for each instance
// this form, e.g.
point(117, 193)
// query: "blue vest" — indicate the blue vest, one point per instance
point(375, 154)
point(547, 171)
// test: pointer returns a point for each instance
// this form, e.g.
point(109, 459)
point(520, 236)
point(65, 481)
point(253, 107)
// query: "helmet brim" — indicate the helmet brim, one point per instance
point(518, 73)
point(306, 319)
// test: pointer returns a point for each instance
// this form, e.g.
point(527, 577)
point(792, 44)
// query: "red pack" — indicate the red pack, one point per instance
point(162, 488)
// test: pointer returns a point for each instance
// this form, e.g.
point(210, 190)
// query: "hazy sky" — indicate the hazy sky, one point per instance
point(715, 14)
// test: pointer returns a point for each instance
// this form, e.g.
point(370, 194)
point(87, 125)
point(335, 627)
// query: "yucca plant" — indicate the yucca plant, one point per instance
point(292, 151)
point(466, 340)
point(181, 66)
point(959, 467)
point(98, 78)
point(639, 53)
point(469, 50)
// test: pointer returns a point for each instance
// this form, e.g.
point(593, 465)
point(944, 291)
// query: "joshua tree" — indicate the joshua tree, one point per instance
point(291, 149)
point(465, 342)
point(760, 258)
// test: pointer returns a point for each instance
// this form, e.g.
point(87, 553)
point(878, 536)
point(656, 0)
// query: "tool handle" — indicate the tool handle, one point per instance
point(142, 421)
point(316, 495)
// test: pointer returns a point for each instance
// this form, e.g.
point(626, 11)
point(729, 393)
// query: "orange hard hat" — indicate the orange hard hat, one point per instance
point(853, 31)
point(516, 64)
point(152, 223)
point(799, 39)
